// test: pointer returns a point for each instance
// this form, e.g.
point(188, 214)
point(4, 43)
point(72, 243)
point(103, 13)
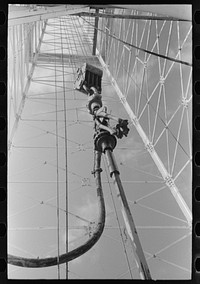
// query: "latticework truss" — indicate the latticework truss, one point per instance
point(147, 72)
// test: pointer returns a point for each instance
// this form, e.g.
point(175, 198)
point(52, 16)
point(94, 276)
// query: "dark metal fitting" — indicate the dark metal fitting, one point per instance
point(104, 141)
point(93, 91)
point(97, 170)
point(90, 76)
point(94, 102)
point(112, 166)
point(122, 128)
point(95, 110)
point(115, 171)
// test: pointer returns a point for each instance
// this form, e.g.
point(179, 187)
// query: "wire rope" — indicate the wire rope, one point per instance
point(149, 103)
point(66, 156)
point(142, 49)
point(71, 38)
point(57, 171)
point(166, 125)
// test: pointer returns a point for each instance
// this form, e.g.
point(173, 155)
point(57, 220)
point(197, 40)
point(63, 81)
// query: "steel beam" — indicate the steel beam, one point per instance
point(27, 15)
point(67, 59)
point(29, 77)
point(95, 32)
point(150, 148)
point(178, 11)
point(136, 17)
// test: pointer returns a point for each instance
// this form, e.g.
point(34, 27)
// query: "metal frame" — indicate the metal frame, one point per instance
point(150, 148)
point(26, 14)
point(24, 63)
point(25, 88)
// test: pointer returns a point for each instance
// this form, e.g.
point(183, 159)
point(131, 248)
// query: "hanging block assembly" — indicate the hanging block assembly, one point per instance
point(88, 76)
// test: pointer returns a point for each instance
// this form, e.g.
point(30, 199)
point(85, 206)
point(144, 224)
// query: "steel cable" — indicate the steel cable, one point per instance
point(142, 49)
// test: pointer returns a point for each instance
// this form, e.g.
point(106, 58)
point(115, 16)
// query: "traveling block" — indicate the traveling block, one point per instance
point(88, 76)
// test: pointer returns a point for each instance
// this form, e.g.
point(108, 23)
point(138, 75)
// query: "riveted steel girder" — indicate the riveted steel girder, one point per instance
point(28, 15)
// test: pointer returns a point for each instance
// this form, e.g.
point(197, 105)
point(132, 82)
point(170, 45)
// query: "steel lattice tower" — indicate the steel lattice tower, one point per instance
point(145, 57)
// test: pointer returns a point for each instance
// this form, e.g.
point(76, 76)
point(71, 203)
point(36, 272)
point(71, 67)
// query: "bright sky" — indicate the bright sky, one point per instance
point(36, 164)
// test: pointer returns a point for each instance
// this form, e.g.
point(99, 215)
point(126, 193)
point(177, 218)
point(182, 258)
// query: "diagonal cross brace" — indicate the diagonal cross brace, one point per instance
point(26, 88)
point(171, 185)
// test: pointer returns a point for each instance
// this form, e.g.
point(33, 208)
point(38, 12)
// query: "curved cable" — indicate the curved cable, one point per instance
point(142, 49)
point(66, 257)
